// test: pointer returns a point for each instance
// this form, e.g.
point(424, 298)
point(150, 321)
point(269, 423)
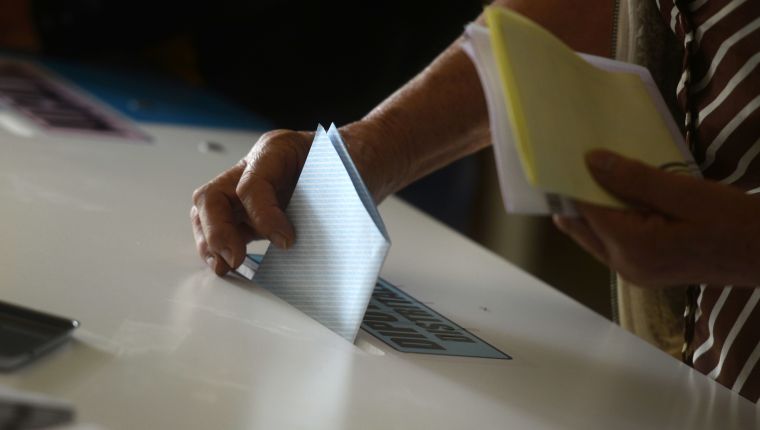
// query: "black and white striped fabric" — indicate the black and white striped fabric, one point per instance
point(719, 91)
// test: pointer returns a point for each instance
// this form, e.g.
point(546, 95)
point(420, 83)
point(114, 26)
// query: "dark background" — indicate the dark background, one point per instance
point(296, 63)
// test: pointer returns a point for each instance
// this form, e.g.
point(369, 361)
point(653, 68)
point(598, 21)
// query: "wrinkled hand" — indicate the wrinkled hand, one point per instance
point(246, 202)
point(684, 230)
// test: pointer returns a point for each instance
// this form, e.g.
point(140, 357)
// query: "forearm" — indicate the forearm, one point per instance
point(441, 114)
point(436, 118)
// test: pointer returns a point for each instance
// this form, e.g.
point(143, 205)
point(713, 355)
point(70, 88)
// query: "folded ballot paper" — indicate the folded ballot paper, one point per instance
point(548, 106)
point(341, 243)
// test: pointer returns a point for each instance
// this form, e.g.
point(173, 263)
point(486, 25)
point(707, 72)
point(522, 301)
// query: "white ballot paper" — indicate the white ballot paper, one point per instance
point(341, 241)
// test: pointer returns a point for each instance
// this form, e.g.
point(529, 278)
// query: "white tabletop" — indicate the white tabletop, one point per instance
point(99, 231)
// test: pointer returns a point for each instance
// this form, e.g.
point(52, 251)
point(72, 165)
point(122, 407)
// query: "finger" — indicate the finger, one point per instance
point(245, 231)
point(217, 264)
point(213, 261)
point(579, 230)
point(266, 184)
point(200, 242)
point(264, 213)
point(643, 185)
point(614, 228)
point(215, 203)
point(219, 228)
point(200, 238)
point(618, 227)
point(646, 248)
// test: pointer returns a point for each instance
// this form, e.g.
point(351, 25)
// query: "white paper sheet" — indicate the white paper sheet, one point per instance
point(341, 241)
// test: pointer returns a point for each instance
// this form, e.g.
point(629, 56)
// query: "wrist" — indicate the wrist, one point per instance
point(377, 152)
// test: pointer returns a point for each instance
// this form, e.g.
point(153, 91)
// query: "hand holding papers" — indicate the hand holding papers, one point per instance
point(341, 242)
point(548, 106)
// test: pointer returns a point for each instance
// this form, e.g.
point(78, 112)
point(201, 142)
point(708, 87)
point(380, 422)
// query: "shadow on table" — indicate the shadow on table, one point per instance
point(62, 369)
point(543, 383)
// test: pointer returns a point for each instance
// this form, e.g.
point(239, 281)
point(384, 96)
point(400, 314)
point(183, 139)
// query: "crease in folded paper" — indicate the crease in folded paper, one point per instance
point(361, 189)
point(341, 241)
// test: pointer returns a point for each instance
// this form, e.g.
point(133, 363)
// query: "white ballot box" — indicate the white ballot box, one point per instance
point(97, 229)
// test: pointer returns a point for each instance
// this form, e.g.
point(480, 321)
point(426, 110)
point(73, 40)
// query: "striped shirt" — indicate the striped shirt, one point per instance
point(719, 92)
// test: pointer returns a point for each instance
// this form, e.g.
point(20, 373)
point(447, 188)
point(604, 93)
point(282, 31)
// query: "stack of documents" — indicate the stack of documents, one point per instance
point(549, 106)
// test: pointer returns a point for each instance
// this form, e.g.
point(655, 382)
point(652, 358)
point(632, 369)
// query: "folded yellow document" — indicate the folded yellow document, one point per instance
point(560, 106)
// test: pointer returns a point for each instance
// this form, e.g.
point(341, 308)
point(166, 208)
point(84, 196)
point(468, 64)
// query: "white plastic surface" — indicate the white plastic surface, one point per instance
point(99, 231)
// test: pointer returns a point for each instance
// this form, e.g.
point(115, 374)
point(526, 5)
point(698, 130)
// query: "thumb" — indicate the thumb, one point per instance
point(642, 185)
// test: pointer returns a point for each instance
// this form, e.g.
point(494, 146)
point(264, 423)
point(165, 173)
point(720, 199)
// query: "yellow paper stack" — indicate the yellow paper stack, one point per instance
point(560, 106)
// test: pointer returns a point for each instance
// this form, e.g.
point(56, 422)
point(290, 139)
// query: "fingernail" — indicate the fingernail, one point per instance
point(279, 239)
point(559, 221)
point(603, 161)
point(227, 255)
point(211, 261)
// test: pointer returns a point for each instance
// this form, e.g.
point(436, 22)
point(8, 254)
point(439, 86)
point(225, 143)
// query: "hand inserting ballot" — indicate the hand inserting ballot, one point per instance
point(246, 201)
